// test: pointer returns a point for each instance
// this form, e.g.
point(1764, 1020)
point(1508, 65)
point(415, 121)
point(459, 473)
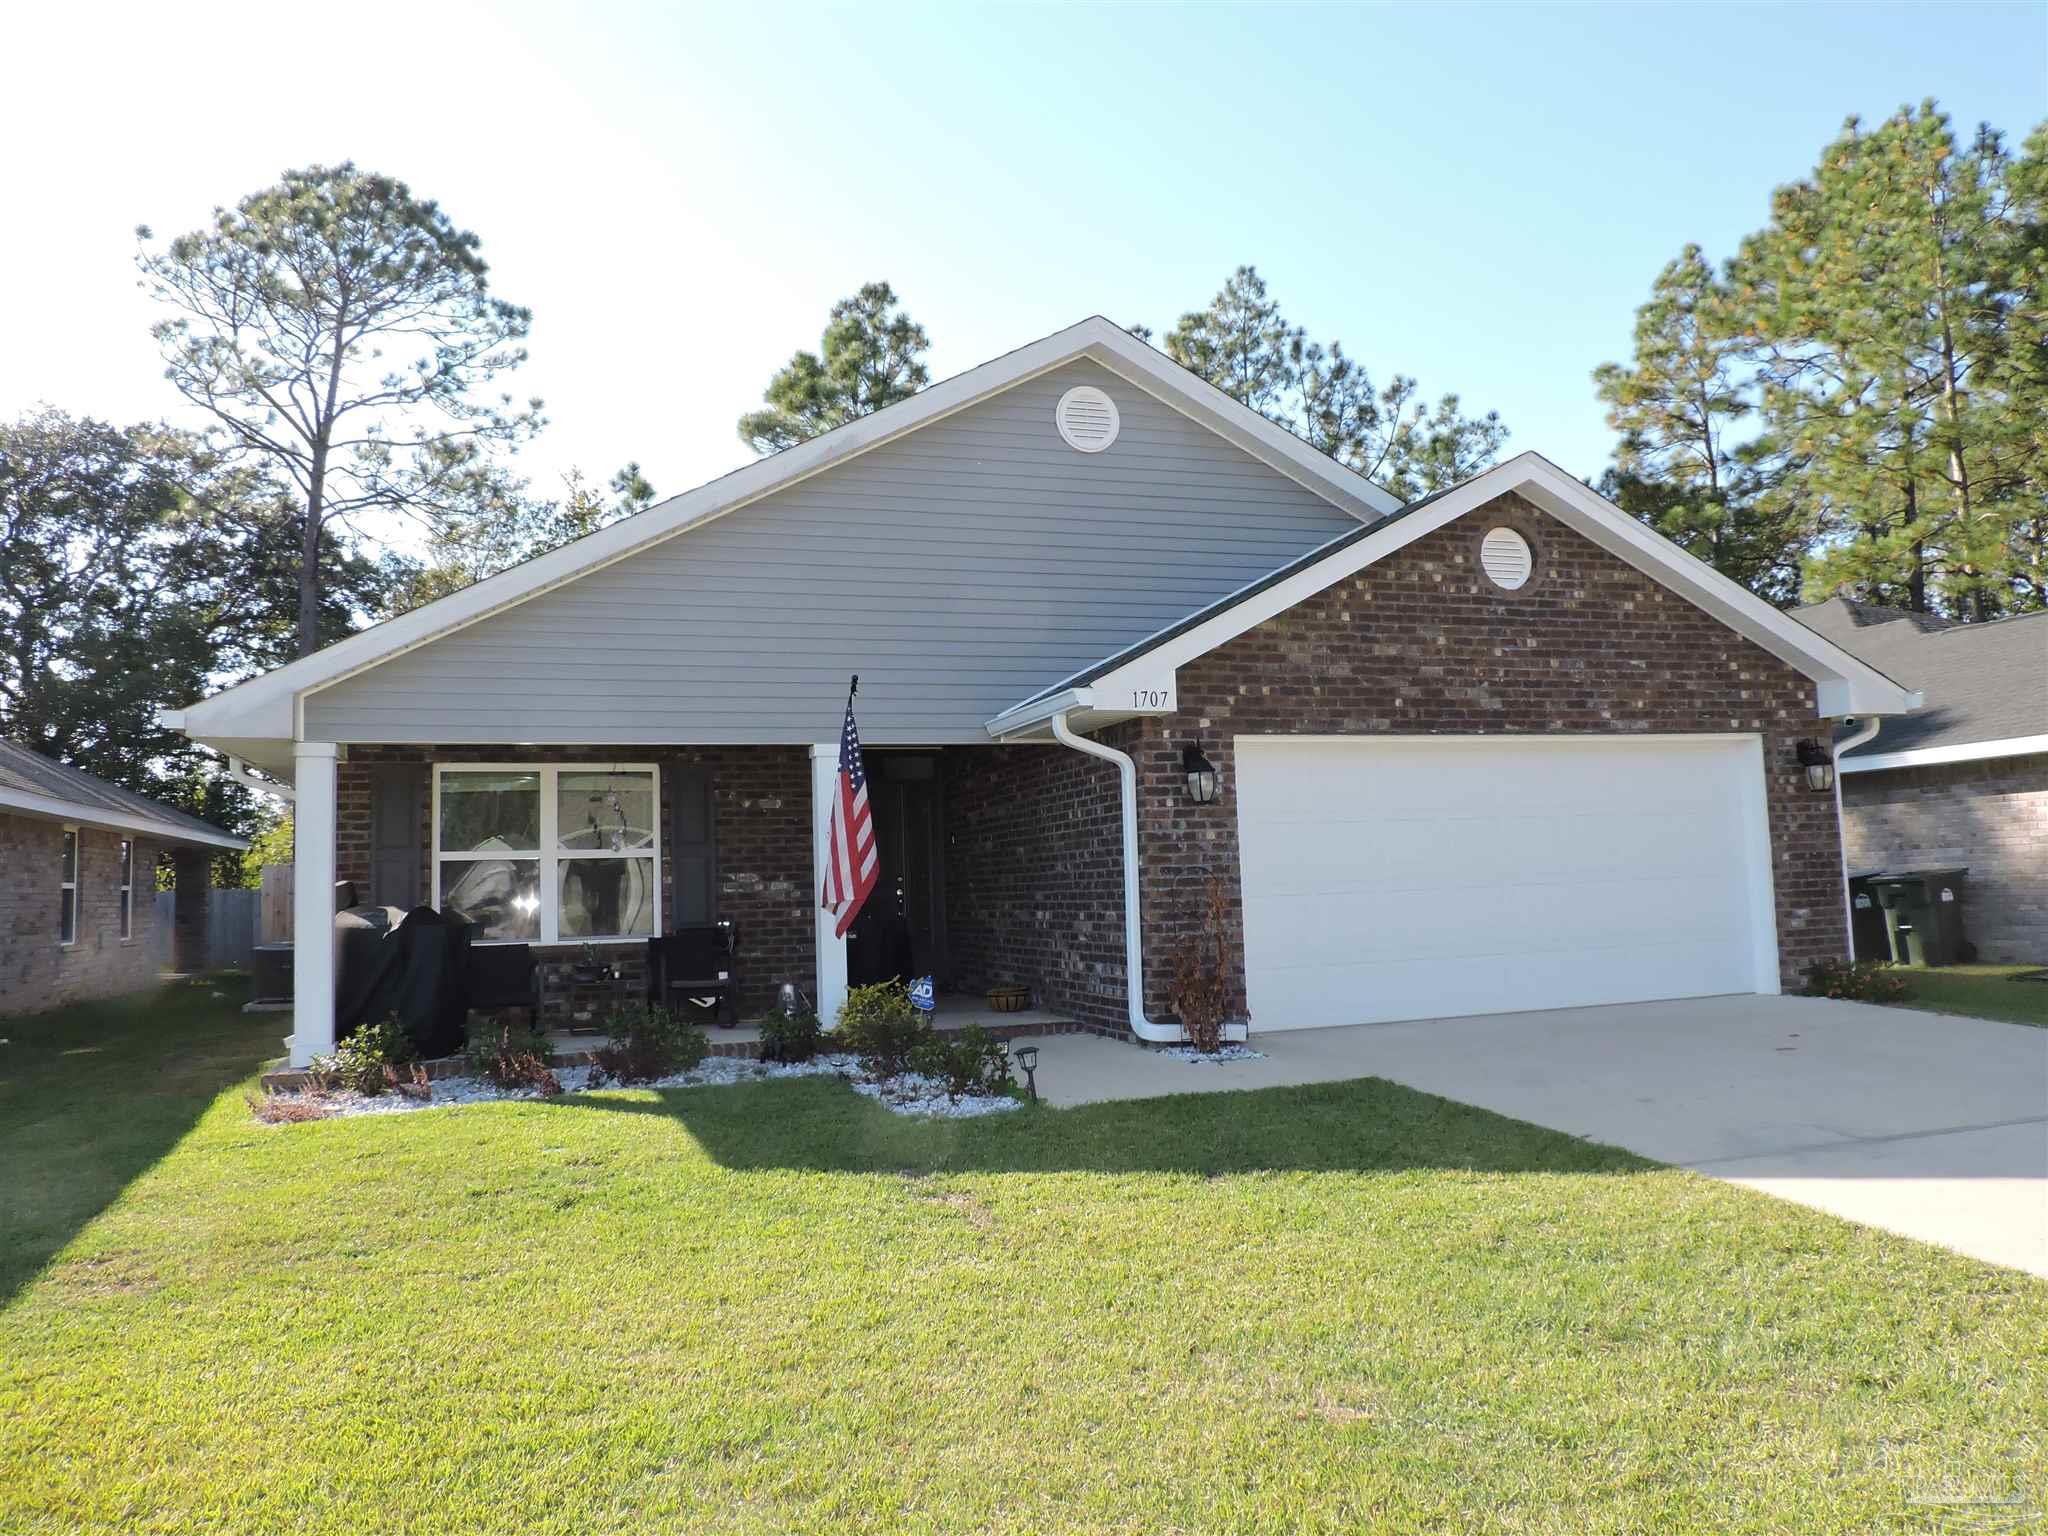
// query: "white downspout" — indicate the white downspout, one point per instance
point(1134, 935)
point(1843, 747)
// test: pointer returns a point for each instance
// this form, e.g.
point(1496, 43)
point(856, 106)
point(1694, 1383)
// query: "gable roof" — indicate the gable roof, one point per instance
point(265, 707)
point(1846, 685)
point(1986, 684)
point(34, 785)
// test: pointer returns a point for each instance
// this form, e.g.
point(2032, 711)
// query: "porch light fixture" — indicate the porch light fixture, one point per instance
point(1201, 774)
point(1819, 766)
point(1027, 1058)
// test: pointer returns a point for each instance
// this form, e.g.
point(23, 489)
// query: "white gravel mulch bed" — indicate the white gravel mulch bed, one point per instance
point(907, 1095)
point(1218, 1058)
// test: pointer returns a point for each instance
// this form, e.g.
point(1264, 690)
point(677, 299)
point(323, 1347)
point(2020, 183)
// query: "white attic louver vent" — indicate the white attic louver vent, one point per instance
point(1504, 556)
point(1087, 418)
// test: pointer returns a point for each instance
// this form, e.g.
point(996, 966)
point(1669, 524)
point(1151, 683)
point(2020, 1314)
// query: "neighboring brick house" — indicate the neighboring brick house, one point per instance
point(1965, 780)
point(78, 876)
point(1129, 654)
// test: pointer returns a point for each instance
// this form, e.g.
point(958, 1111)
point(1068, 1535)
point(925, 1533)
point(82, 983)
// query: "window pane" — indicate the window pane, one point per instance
point(490, 812)
point(127, 914)
point(605, 810)
point(70, 857)
point(502, 896)
point(67, 916)
point(127, 862)
point(603, 897)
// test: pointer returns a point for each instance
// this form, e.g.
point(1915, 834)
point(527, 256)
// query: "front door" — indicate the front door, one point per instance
point(901, 932)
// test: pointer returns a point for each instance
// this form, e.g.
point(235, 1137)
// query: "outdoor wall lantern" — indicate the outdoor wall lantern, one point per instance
point(1819, 766)
point(1201, 774)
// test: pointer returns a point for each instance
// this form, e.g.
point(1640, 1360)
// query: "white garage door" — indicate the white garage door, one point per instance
point(1426, 877)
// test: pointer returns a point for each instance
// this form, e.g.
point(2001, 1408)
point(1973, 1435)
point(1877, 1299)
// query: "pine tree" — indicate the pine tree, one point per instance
point(871, 356)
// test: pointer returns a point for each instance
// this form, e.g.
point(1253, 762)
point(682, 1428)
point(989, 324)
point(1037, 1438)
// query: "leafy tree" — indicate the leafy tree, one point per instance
point(1243, 344)
point(342, 331)
point(871, 356)
point(1676, 409)
point(515, 527)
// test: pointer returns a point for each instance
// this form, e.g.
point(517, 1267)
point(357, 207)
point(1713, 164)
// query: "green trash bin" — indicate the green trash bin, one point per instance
point(1923, 910)
point(1867, 927)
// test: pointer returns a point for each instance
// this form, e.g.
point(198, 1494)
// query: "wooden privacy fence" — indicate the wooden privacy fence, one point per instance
point(275, 926)
point(231, 928)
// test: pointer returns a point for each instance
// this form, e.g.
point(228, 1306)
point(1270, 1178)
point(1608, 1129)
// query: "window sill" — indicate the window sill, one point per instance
point(563, 943)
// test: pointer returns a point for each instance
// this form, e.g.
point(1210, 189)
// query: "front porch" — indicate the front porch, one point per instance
point(1000, 866)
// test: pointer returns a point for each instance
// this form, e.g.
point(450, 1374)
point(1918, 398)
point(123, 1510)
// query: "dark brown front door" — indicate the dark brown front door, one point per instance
point(902, 929)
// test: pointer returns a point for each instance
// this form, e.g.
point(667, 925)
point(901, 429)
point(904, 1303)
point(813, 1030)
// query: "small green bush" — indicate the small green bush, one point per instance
point(642, 1044)
point(367, 1059)
point(878, 1026)
point(790, 1037)
point(506, 1060)
point(1865, 981)
point(967, 1061)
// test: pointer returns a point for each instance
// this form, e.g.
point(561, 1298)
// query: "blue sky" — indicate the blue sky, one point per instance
point(1478, 196)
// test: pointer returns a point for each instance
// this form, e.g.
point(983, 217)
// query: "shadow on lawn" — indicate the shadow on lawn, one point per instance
point(93, 1096)
point(1368, 1125)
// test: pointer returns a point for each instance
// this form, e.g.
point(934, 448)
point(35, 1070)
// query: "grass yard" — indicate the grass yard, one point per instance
point(777, 1307)
point(1982, 992)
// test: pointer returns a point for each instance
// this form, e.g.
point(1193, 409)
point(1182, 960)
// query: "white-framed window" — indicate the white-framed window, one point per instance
point(67, 894)
point(546, 854)
point(127, 890)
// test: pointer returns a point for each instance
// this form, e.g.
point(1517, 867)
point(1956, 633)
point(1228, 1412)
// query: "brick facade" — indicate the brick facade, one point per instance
point(1990, 815)
point(1034, 877)
point(1422, 642)
point(763, 800)
point(36, 971)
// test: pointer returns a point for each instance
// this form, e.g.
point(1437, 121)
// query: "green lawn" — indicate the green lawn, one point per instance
point(777, 1307)
point(1982, 991)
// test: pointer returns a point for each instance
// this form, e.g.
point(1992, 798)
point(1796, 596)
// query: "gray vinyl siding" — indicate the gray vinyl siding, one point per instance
point(958, 570)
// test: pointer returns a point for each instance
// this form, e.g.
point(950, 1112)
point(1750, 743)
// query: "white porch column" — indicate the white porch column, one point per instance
point(312, 900)
point(830, 989)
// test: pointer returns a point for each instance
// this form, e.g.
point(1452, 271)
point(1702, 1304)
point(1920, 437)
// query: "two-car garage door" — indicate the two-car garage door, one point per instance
point(1421, 877)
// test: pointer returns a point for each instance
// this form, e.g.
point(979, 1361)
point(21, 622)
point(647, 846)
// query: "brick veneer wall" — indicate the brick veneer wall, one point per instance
point(1990, 815)
point(37, 972)
point(763, 797)
point(1034, 876)
point(1422, 642)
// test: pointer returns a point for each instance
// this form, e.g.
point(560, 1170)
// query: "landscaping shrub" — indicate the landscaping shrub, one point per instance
point(969, 1061)
point(364, 1061)
point(878, 1026)
point(506, 1060)
point(791, 1037)
point(642, 1044)
point(1203, 992)
point(1865, 981)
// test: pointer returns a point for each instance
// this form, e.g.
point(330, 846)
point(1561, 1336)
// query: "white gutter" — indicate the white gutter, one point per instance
point(1963, 752)
point(54, 808)
point(1867, 733)
point(1134, 934)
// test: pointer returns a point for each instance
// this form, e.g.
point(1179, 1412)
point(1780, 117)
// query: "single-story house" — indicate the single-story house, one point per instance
point(78, 862)
point(1501, 748)
point(1964, 781)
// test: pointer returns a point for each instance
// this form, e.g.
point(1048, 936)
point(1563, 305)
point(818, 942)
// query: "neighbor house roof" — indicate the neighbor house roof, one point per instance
point(1846, 685)
point(1986, 684)
point(34, 785)
point(243, 719)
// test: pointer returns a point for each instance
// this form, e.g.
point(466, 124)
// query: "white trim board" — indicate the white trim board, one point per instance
point(1844, 685)
point(264, 707)
point(50, 808)
point(1926, 757)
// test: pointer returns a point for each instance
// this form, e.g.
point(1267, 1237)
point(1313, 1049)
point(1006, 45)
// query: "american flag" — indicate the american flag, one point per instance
point(855, 865)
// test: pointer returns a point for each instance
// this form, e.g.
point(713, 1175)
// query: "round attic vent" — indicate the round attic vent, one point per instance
point(1087, 418)
point(1504, 556)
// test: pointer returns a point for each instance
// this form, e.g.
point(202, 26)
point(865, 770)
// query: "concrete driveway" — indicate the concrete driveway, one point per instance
point(1931, 1126)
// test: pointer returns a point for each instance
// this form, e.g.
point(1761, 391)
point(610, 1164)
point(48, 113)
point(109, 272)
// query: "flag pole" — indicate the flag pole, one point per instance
point(852, 688)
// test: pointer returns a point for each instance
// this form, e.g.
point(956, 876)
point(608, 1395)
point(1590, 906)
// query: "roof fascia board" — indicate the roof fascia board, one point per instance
point(1846, 685)
point(51, 808)
point(263, 706)
point(1960, 752)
